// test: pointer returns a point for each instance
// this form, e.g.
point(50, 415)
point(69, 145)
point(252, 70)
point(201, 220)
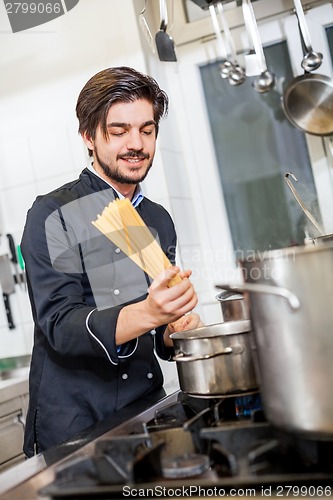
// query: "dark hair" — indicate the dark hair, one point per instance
point(118, 84)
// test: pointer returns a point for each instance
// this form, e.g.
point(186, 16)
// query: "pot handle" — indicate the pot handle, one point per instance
point(228, 295)
point(238, 349)
point(293, 301)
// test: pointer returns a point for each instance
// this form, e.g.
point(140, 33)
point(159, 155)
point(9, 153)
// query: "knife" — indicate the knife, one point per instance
point(22, 266)
point(8, 287)
point(12, 249)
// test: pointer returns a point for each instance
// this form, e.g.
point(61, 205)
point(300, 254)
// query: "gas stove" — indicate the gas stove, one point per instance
point(199, 447)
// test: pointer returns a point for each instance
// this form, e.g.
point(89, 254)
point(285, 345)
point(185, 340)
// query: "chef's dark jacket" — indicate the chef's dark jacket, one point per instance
point(78, 282)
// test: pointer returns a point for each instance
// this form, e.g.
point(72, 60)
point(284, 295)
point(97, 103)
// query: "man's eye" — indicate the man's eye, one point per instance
point(117, 132)
point(148, 132)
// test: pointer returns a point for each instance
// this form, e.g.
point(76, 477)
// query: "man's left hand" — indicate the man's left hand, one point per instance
point(187, 322)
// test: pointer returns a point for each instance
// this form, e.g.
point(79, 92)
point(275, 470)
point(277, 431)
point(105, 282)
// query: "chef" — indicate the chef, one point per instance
point(99, 319)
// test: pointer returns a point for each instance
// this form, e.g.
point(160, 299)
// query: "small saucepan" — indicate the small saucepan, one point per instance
point(308, 99)
point(308, 103)
point(215, 360)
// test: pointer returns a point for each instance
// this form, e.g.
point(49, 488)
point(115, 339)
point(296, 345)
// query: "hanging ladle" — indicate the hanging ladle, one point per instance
point(236, 74)
point(266, 80)
point(226, 65)
point(299, 201)
point(311, 60)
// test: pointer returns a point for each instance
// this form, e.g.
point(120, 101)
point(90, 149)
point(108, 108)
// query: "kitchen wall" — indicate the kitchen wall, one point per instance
point(43, 69)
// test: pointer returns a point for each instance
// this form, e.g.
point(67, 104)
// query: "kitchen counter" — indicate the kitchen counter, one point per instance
point(25, 480)
point(13, 387)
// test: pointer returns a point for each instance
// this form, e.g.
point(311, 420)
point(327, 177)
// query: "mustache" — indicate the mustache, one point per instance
point(134, 154)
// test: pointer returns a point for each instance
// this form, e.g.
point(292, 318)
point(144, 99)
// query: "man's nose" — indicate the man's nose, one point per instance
point(134, 140)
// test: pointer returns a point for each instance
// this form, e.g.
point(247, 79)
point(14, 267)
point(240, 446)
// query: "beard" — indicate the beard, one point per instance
point(113, 172)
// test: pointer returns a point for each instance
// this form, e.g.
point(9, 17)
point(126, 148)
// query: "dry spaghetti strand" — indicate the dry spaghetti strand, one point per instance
point(122, 224)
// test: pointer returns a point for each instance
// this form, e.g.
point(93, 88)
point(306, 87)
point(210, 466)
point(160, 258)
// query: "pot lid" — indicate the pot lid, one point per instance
point(215, 330)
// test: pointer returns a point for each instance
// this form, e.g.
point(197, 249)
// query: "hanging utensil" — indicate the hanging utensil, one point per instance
point(308, 99)
point(301, 204)
point(266, 80)
point(236, 74)
point(226, 65)
point(164, 43)
point(308, 103)
point(311, 60)
point(145, 28)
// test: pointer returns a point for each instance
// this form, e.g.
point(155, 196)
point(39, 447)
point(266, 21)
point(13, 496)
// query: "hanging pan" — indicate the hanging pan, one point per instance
point(308, 98)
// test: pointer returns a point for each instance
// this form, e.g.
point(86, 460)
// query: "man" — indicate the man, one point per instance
point(96, 326)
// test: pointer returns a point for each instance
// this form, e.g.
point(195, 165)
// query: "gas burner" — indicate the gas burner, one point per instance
point(207, 442)
point(189, 465)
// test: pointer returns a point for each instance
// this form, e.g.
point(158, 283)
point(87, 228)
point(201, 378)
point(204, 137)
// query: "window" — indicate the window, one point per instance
point(255, 146)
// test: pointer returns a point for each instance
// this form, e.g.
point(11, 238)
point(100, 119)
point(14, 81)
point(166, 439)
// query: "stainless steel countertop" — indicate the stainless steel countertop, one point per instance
point(23, 481)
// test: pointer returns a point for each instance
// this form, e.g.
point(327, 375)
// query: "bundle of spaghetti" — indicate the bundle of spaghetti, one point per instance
point(122, 224)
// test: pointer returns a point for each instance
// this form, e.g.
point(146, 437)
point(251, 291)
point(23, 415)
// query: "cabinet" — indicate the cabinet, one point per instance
point(13, 409)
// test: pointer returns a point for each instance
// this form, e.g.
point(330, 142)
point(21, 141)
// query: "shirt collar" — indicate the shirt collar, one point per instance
point(137, 197)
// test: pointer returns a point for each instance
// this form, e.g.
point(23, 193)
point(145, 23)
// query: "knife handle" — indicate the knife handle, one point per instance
point(11, 324)
point(20, 258)
point(12, 248)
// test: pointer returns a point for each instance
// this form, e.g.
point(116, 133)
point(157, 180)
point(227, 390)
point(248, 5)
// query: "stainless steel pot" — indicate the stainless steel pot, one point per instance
point(308, 99)
point(215, 360)
point(308, 103)
point(290, 293)
point(233, 306)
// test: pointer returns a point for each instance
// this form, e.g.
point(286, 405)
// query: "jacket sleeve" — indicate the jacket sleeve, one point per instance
point(58, 293)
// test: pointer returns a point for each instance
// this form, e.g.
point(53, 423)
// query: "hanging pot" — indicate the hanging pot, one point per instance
point(308, 99)
point(308, 103)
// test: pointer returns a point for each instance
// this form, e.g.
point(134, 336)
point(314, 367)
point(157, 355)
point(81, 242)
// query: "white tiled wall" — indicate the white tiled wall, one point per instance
point(40, 148)
point(43, 70)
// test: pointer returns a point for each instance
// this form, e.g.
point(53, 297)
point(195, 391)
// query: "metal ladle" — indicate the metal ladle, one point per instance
point(236, 74)
point(311, 60)
point(226, 66)
point(266, 80)
point(299, 201)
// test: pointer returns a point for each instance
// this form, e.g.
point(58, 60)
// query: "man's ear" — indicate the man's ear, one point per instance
point(89, 142)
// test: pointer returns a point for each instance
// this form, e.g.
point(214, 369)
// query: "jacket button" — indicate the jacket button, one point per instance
point(117, 250)
point(124, 376)
point(150, 375)
point(116, 291)
point(153, 332)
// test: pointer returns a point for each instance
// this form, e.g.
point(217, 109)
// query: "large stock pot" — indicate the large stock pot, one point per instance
point(215, 360)
point(291, 305)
